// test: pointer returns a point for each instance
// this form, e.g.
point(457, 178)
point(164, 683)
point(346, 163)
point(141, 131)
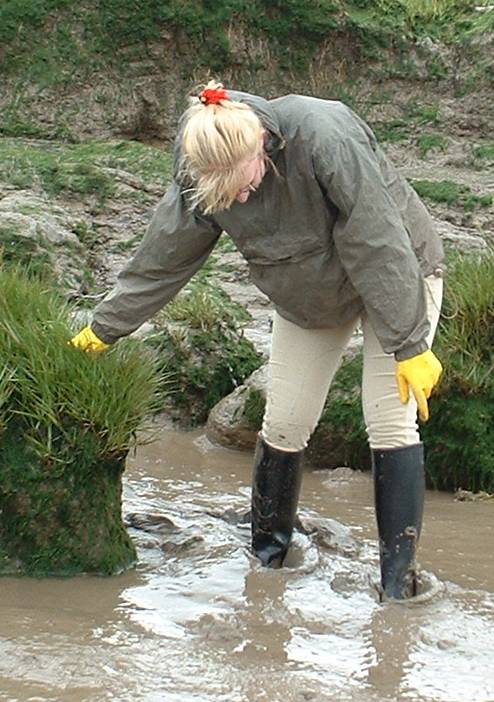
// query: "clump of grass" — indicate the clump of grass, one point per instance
point(393, 131)
point(414, 116)
point(483, 21)
point(420, 115)
point(429, 9)
point(57, 387)
point(484, 152)
point(451, 193)
point(429, 142)
point(33, 253)
point(460, 434)
point(67, 420)
point(466, 334)
point(199, 340)
point(471, 202)
point(203, 306)
point(445, 191)
point(253, 410)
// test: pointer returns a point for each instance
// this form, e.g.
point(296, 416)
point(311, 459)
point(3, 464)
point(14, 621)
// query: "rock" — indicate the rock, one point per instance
point(469, 496)
point(49, 231)
point(461, 238)
point(227, 424)
point(331, 535)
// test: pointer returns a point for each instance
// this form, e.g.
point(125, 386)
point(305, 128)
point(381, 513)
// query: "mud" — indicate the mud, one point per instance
point(199, 621)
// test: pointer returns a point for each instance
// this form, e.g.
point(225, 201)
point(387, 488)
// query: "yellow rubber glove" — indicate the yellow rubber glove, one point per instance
point(86, 340)
point(420, 374)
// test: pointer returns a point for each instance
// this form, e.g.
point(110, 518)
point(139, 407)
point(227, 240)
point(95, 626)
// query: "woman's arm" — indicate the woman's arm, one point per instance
point(176, 245)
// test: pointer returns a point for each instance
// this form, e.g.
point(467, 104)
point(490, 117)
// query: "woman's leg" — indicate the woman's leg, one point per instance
point(397, 458)
point(389, 423)
point(301, 367)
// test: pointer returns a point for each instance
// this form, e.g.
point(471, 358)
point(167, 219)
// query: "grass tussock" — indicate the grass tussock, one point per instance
point(199, 341)
point(67, 420)
point(460, 434)
point(57, 392)
point(466, 335)
point(452, 194)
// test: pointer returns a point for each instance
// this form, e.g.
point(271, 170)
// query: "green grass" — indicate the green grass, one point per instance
point(94, 35)
point(80, 170)
point(467, 334)
point(33, 253)
point(57, 389)
point(451, 193)
point(484, 152)
point(430, 142)
point(254, 407)
point(199, 340)
point(415, 116)
point(439, 191)
point(421, 115)
point(67, 421)
point(460, 434)
point(393, 131)
point(203, 305)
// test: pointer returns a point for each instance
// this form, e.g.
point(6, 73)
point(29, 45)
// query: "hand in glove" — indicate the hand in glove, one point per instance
point(420, 374)
point(86, 340)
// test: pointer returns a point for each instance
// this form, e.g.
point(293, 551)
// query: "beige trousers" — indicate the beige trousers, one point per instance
point(302, 365)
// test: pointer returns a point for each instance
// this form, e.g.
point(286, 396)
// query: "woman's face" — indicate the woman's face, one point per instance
point(253, 171)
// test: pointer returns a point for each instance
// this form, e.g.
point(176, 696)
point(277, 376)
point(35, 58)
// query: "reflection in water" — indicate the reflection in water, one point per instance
point(200, 620)
point(391, 633)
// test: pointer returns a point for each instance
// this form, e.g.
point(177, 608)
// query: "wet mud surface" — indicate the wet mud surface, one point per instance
point(198, 620)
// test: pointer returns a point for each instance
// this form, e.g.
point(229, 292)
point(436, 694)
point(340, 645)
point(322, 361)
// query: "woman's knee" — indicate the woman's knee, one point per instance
point(392, 426)
point(287, 437)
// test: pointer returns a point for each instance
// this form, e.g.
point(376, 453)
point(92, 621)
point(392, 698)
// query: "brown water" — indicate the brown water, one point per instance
point(199, 621)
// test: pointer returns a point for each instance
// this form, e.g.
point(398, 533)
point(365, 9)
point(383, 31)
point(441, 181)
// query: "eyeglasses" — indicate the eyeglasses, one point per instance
point(250, 188)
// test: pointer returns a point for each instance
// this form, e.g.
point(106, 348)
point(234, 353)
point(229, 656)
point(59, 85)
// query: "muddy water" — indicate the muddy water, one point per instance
point(199, 621)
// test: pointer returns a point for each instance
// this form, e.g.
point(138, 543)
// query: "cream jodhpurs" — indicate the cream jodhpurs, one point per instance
point(302, 365)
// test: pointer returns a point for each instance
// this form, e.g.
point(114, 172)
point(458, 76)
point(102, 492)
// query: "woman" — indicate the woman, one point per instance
point(335, 238)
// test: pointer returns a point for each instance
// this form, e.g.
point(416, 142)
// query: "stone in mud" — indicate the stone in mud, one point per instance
point(168, 537)
point(150, 522)
point(228, 423)
point(332, 535)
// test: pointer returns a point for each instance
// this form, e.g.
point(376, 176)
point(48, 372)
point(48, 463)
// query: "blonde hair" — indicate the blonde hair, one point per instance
point(217, 139)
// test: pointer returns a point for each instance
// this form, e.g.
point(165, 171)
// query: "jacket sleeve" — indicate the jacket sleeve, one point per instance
point(373, 244)
point(176, 244)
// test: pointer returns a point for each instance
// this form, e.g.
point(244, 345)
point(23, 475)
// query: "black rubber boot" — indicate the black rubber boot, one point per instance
point(399, 490)
point(275, 491)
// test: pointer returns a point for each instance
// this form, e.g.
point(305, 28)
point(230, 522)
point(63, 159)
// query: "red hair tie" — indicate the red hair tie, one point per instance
point(213, 96)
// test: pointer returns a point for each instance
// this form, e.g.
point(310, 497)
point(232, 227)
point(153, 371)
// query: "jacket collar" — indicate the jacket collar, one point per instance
point(263, 109)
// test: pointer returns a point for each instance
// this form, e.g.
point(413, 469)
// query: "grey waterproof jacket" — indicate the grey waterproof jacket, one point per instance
point(332, 232)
